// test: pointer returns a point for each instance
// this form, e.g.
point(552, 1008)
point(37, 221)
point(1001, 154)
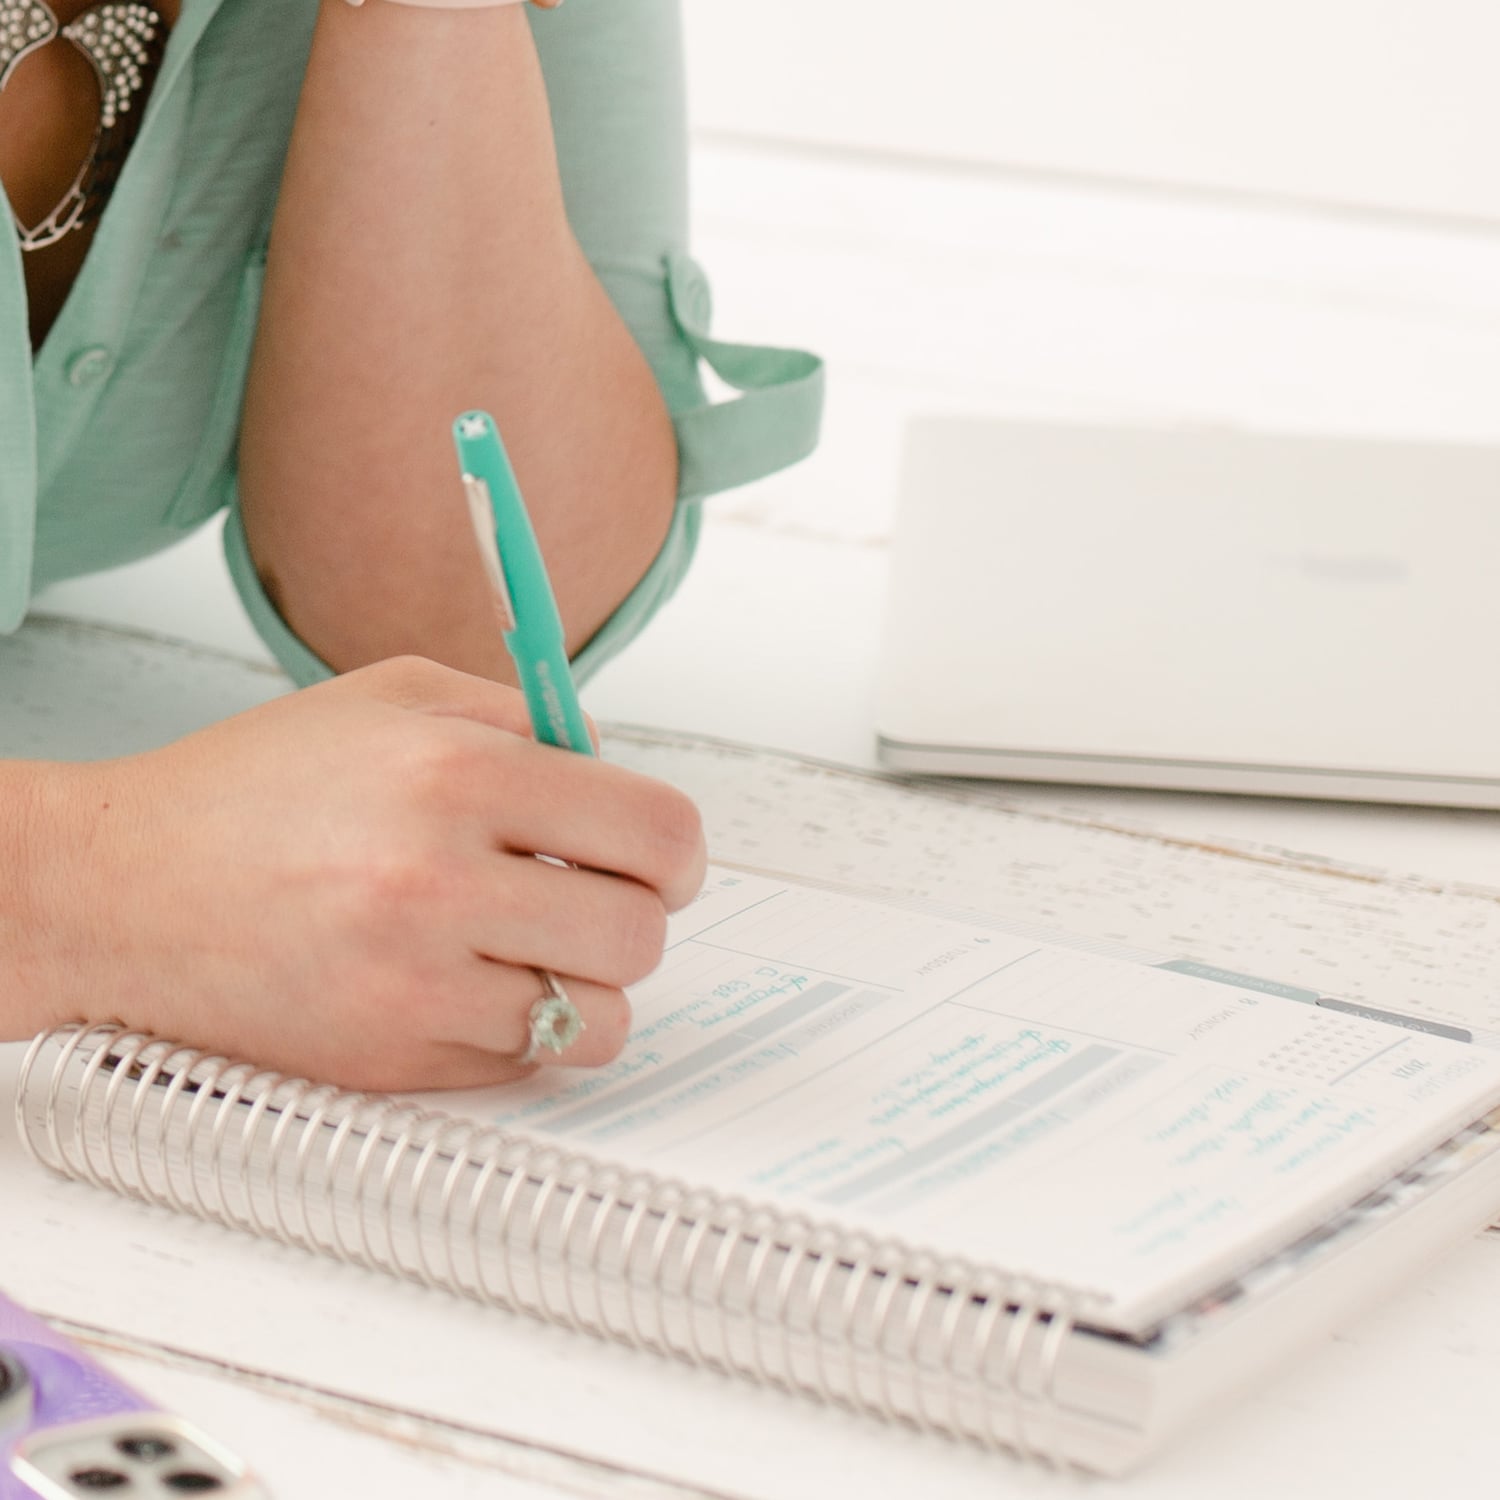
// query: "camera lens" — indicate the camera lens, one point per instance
point(98, 1479)
point(145, 1447)
point(12, 1376)
point(190, 1483)
point(15, 1392)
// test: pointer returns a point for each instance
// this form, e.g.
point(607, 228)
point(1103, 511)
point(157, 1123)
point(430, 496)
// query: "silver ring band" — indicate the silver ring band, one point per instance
point(554, 1019)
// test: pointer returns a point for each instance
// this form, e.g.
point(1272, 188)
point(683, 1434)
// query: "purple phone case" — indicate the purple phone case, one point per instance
point(66, 1387)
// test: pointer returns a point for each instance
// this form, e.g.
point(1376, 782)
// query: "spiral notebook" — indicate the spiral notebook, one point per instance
point(1048, 1196)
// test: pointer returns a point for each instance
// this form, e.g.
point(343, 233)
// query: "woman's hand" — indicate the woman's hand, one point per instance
point(343, 884)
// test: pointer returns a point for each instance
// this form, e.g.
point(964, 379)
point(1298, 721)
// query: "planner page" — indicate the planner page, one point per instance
point(1098, 1123)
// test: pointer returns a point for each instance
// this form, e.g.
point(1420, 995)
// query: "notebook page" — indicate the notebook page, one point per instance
point(1097, 1123)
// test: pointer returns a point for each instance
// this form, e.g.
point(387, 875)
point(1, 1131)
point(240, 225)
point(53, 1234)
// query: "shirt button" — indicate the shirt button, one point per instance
point(90, 366)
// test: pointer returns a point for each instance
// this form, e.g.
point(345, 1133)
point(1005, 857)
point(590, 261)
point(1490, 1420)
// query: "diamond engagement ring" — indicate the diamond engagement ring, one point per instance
point(555, 1022)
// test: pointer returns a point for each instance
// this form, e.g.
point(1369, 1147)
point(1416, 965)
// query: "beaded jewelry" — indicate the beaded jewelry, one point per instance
point(124, 41)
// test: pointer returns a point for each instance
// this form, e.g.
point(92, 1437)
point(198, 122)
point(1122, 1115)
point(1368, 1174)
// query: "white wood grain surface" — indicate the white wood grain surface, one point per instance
point(332, 1376)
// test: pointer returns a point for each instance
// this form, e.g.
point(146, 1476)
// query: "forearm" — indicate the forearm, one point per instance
point(422, 263)
point(40, 838)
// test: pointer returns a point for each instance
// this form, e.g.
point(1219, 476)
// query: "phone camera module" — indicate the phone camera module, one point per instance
point(128, 1454)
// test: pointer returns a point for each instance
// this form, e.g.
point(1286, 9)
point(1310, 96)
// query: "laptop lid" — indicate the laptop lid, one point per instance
point(1195, 608)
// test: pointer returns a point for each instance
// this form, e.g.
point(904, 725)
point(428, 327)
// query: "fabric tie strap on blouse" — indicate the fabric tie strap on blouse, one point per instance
point(774, 424)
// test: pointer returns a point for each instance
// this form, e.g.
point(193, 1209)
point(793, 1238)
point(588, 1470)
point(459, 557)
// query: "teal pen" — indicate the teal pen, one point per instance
point(529, 619)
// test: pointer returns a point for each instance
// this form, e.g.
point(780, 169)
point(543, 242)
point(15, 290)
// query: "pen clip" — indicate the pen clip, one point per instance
point(482, 513)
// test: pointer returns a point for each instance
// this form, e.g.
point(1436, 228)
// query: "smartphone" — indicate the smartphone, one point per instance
point(70, 1430)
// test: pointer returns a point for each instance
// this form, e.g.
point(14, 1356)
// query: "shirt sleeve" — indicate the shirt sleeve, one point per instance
point(615, 83)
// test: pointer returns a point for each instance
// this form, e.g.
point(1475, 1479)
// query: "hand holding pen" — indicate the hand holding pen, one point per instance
point(343, 884)
point(534, 637)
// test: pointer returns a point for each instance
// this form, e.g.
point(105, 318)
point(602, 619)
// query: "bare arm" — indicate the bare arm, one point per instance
point(422, 263)
point(35, 841)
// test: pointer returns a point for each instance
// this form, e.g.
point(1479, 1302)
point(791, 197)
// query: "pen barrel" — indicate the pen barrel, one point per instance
point(552, 704)
point(535, 637)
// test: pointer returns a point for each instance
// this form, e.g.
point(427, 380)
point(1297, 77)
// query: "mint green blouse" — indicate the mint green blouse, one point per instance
point(120, 435)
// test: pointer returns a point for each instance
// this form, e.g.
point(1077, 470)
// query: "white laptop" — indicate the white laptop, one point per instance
point(1196, 608)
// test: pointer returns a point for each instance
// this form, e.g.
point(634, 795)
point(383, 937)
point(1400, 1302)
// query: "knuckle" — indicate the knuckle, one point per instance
point(407, 679)
point(393, 888)
point(434, 763)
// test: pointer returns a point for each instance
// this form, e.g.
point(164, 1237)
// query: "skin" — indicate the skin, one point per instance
point(496, 308)
point(399, 885)
point(343, 883)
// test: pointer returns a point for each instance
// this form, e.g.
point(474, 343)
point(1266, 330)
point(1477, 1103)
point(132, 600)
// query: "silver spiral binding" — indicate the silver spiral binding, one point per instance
point(699, 1213)
point(718, 1282)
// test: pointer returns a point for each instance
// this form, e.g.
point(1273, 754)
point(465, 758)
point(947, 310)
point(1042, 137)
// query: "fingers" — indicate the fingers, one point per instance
point(428, 888)
point(596, 933)
point(606, 818)
point(537, 799)
point(520, 798)
point(599, 927)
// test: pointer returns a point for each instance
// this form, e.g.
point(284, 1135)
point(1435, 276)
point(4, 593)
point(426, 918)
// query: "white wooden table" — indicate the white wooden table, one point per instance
point(971, 296)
